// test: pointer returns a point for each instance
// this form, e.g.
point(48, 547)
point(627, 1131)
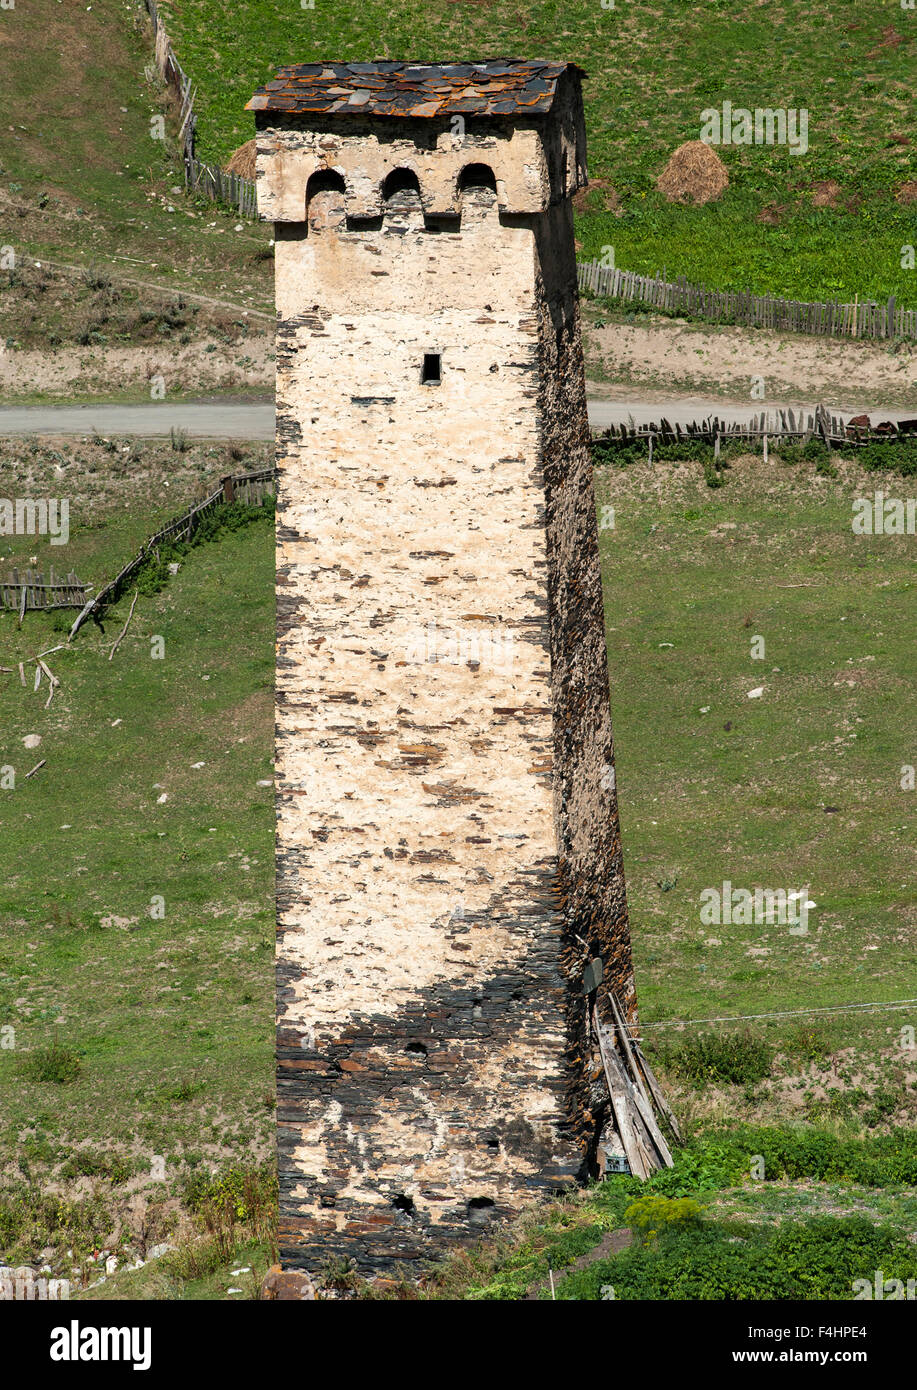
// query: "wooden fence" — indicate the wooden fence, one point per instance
point(208, 179)
point(768, 427)
point(239, 487)
point(865, 318)
point(33, 591)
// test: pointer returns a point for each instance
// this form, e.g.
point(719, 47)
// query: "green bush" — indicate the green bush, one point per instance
point(897, 455)
point(810, 1041)
point(739, 1058)
point(90, 1164)
point(226, 517)
point(723, 1159)
point(55, 1063)
point(245, 1193)
point(813, 1259)
point(655, 1213)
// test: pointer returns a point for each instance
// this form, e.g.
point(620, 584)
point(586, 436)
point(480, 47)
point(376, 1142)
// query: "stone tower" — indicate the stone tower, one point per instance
point(448, 853)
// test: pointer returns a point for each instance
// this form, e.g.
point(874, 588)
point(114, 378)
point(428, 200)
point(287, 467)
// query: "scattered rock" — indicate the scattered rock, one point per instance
point(287, 1284)
point(156, 1252)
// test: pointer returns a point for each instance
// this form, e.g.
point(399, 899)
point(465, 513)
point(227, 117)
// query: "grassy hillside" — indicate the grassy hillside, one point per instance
point(799, 787)
point(140, 1035)
point(136, 915)
point(81, 180)
point(653, 67)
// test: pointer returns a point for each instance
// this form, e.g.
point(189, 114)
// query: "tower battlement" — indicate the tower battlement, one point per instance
point(366, 122)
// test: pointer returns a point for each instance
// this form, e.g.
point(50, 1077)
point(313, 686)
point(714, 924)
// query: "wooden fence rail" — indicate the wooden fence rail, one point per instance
point(862, 319)
point(208, 179)
point(773, 425)
point(32, 590)
point(245, 487)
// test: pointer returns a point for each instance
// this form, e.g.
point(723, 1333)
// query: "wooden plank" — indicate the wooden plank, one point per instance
point(654, 1132)
point(625, 1045)
point(619, 1101)
point(650, 1153)
point(655, 1088)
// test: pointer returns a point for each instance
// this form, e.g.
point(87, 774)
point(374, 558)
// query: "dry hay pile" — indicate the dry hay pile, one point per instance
point(825, 193)
point(597, 196)
point(694, 174)
point(242, 161)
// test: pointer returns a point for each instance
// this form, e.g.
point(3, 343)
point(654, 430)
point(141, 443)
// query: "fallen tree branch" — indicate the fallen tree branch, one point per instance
point(124, 629)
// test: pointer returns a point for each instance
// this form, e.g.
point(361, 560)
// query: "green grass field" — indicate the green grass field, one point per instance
point(136, 914)
point(166, 1021)
point(798, 788)
point(653, 68)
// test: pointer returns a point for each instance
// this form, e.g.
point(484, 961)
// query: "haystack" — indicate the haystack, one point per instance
point(825, 193)
point(242, 161)
point(694, 174)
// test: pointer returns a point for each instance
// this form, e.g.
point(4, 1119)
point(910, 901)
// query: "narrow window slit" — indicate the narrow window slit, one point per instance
point(432, 371)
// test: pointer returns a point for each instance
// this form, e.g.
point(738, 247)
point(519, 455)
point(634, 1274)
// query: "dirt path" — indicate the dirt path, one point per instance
point(612, 1243)
point(656, 359)
point(204, 365)
point(234, 419)
point(200, 420)
point(165, 291)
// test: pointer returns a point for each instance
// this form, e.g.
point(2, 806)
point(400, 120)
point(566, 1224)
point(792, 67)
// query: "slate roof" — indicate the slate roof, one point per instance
point(496, 87)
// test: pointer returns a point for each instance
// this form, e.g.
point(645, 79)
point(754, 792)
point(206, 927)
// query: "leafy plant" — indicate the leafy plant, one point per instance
point(733, 1057)
point(56, 1063)
point(650, 1215)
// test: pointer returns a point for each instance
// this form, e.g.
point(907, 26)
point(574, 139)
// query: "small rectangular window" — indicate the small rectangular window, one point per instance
point(432, 371)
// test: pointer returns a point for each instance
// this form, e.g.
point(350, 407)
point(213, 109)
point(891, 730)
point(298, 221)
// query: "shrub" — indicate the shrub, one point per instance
point(88, 1163)
point(817, 1258)
point(734, 1057)
point(55, 1063)
point(723, 1159)
point(236, 1196)
point(650, 1215)
point(899, 455)
point(809, 1041)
